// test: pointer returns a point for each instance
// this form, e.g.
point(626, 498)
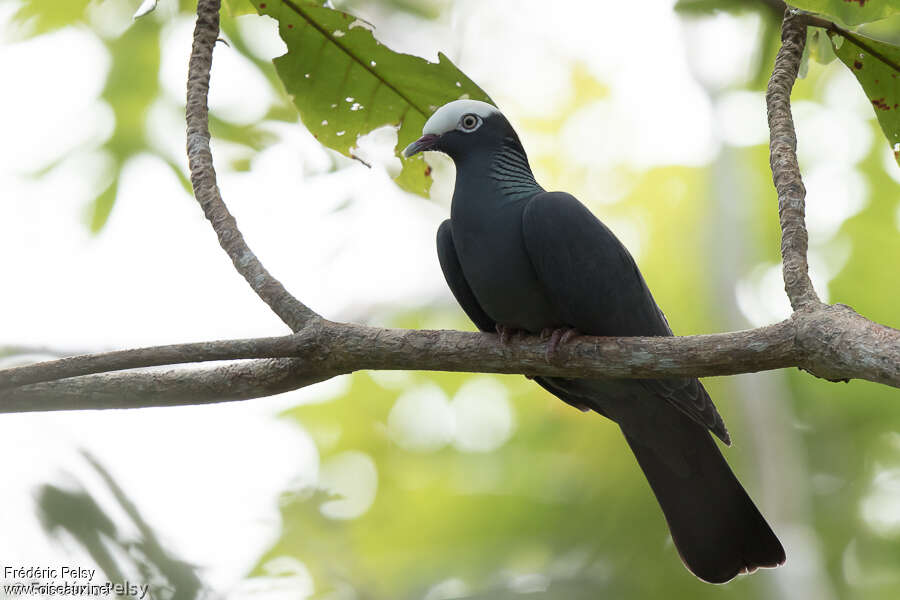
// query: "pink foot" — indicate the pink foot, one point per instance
point(505, 333)
point(557, 337)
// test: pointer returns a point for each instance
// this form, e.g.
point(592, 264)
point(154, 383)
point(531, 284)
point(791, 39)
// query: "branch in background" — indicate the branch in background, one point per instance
point(203, 177)
point(165, 388)
point(785, 170)
point(11, 351)
point(777, 6)
point(88, 364)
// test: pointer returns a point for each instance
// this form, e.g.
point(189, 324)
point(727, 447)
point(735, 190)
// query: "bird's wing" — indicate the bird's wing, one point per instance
point(587, 273)
point(457, 281)
point(597, 288)
point(466, 298)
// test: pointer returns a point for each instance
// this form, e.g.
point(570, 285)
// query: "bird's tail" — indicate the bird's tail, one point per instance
point(717, 529)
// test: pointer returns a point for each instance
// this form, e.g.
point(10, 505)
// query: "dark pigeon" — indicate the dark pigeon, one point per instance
point(518, 258)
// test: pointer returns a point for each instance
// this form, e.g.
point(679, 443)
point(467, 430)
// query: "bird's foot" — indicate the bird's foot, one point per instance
point(505, 333)
point(557, 337)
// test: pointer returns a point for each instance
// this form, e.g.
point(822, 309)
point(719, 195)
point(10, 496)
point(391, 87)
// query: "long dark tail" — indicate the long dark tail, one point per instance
point(717, 529)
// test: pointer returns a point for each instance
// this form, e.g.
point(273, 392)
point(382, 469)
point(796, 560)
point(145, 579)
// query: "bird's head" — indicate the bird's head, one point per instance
point(462, 127)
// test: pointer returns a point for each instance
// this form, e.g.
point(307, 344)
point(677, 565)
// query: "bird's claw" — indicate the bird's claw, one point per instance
point(557, 337)
point(505, 333)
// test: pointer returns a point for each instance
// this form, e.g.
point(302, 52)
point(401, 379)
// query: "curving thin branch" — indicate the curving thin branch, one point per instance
point(203, 177)
point(785, 169)
point(242, 381)
point(173, 354)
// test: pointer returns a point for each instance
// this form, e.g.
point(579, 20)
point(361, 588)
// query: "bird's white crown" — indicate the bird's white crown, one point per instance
point(447, 117)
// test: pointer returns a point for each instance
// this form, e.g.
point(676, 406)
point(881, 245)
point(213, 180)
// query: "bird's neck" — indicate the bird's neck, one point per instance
point(504, 169)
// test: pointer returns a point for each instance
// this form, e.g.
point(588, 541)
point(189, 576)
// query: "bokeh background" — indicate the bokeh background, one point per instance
point(426, 485)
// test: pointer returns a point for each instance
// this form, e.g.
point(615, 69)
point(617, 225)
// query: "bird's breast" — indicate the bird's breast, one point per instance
point(495, 262)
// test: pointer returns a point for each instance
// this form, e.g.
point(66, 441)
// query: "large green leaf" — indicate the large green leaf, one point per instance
point(876, 65)
point(850, 12)
point(345, 83)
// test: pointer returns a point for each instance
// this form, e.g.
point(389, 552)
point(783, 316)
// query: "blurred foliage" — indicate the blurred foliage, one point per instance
point(850, 12)
point(876, 65)
point(346, 84)
point(818, 44)
point(239, 7)
point(561, 504)
point(881, 52)
point(122, 557)
point(556, 507)
point(41, 16)
point(770, 34)
point(844, 12)
point(133, 83)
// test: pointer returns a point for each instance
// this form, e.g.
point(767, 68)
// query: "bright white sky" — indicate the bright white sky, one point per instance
point(156, 275)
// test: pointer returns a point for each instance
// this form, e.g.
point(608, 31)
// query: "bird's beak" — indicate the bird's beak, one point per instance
point(426, 142)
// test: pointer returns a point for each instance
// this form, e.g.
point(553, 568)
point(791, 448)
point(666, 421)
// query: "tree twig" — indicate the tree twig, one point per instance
point(242, 381)
point(203, 177)
point(173, 354)
point(785, 169)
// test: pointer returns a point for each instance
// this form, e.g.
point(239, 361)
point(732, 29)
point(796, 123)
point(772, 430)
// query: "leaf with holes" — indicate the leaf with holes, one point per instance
point(850, 12)
point(345, 83)
point(876, 65)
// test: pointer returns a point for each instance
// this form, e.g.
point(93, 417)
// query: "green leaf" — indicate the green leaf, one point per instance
point(239, 7)
point(131, 87)
point(876, 65)
point(146, 7)
point(345, 83)
point(42, 16)
point(101, 207)
point(850, 12)
point(183, 179)
point(248, 135)
point(804, 60)
point(702, 7)
point(886, 30)
point(819, 45)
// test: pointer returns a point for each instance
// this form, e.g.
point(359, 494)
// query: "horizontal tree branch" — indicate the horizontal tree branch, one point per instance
point(834, 343)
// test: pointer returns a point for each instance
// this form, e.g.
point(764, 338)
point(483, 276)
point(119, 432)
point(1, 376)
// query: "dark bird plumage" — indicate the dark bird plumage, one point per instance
point(521, 258)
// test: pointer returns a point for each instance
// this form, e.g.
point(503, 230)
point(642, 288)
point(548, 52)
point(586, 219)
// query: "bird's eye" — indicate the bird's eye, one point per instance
point(469, 122)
